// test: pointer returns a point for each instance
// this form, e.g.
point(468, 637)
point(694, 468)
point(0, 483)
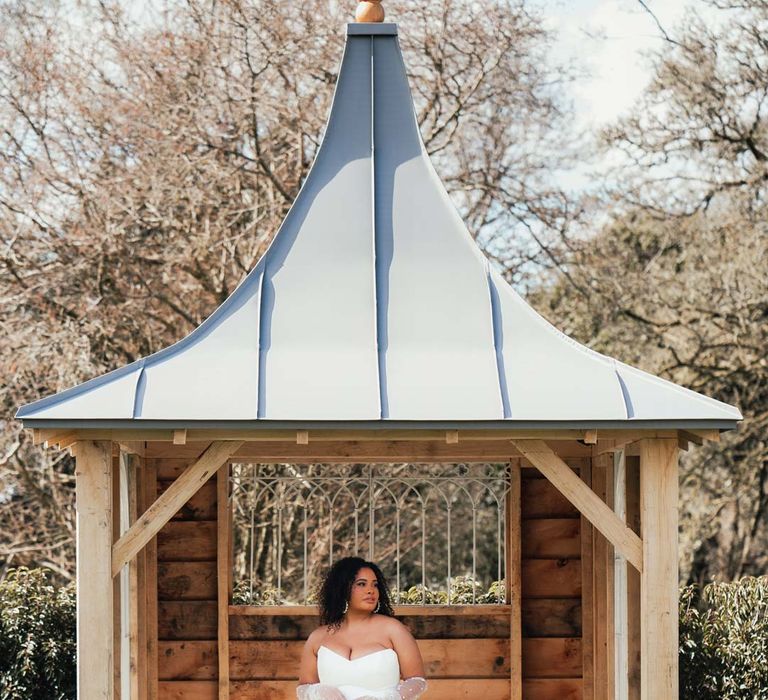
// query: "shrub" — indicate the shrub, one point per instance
point(37, 637)
point(724, 640)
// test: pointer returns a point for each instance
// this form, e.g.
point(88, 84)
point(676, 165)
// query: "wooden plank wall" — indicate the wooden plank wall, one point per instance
point(552, 587)
point(186, 591)
point(466, 654)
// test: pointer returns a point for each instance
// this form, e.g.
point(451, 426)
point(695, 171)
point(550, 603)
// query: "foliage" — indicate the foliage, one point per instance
point(724, 640)
point(461, 594)
point(37, 637)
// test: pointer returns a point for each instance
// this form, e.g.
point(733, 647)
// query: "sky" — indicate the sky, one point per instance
point(607, 39)
point(609, 42)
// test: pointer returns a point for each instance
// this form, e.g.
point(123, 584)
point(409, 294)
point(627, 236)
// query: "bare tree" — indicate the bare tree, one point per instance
point(146, 162)
point(675, 283)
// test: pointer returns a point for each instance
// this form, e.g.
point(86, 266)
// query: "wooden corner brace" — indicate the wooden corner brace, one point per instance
point(589, 504)
point(169, 502)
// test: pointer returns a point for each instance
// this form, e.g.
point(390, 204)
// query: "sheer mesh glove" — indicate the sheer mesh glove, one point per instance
point(409, 689)
point(318, 691)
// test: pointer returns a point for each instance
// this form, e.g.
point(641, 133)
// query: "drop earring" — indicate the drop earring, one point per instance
point(346, 607)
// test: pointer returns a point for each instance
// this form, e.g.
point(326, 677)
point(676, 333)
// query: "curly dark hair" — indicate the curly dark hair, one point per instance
point(337, 586)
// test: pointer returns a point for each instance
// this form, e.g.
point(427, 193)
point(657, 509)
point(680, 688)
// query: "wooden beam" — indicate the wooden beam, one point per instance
point(689, 436)
point(610, 609)
point(513, 575)
point(180, 437)
point(302, 437)
point(659, 576)
point(133, 447)
point(222, 577)
point(167, 504)
point(620, 581)
point(600, 588)
point(95, 640)
point(149, 470)
point(343, 435)
point(59, 439)
point(584, 498)
point(590, 437)
point(632, 467)
point(355, 452)
point(134, 587)
point(451, 437)
point(712, 435)
point(587, 596)
point(117, 628)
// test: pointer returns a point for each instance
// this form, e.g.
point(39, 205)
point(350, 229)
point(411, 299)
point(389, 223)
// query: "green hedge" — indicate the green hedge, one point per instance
point(724, 641)
point(37, 637)
point(723, 636)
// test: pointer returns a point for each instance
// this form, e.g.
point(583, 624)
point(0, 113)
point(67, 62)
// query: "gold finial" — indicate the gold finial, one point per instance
point(369, 11)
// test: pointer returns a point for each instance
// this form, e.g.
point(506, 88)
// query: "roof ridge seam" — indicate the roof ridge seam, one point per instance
point(498, 342)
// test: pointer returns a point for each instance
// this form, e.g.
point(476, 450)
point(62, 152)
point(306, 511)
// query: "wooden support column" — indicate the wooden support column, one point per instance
point(95, 634)
point(587, 595)
point(150, 551)
point(620, 581)
point(603, 554)
point(117, 628)
point(659, 578)
point(632, 468)
point(222, 577)
point(514, 580)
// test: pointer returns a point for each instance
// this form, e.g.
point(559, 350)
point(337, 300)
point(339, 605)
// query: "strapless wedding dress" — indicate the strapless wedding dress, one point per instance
point(373, 674)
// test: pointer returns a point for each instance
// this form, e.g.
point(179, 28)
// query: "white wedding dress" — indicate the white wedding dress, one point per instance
point(374, 675)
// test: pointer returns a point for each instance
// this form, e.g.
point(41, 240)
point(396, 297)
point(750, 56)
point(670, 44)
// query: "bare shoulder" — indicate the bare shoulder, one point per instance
point(316, 638)
point(394, 627)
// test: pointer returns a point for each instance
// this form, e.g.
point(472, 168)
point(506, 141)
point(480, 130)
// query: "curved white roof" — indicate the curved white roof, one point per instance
point(374, 303)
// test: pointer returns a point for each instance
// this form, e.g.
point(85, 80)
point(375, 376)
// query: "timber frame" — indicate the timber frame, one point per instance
point(652, 552)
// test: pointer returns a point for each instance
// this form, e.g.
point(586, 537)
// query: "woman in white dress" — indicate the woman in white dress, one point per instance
point(360, 651)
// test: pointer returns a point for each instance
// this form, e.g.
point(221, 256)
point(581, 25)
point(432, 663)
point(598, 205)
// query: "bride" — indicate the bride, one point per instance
point(360, 651)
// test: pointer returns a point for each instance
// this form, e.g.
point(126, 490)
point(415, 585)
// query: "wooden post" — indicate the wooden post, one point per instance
point(95, 640)
point(659, 578)
point(117, 628)
point(587, 595)
point(600, 588)
point(222, 577)
point(514, 582)
point(150, 494)
point(620, 583)
point(632, 468)
point(610, 609)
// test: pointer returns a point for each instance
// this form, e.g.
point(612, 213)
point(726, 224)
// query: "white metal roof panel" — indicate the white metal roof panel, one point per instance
point(319, 353)
point(109, 396)
point(435, 326)
point(546, 372)
point(373, 304)
point(215, 371)
point(648, 395)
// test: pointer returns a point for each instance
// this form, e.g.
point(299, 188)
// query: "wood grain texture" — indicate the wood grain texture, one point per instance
point(167, 504)
point(587, 597)
point(513, 576)
point(574, 489)
point(541, 689)
point(95, 636)
point(633, 582)
point(222, 579)
point(659, 578)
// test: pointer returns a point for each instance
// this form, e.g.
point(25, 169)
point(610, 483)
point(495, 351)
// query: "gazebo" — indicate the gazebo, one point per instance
point(374, 330)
